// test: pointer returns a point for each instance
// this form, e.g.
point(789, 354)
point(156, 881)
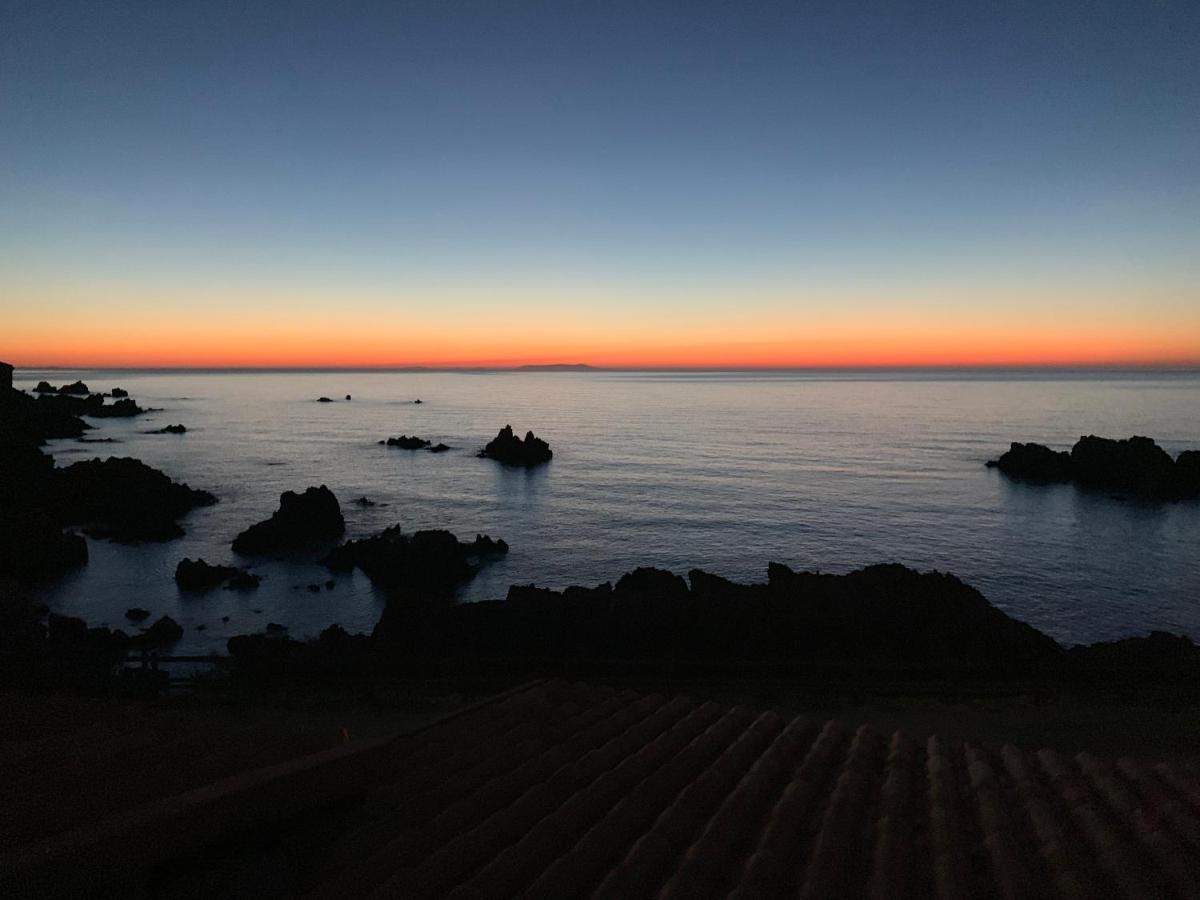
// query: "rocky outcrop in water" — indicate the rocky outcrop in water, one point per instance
point(45, 387)
point(301, 520)
point(170, 429)
point(507, 448)
point(76, 387)
point(164, 631)
point(124, 500)
point(426, 563)
point(404, 442)
point(1135, 466)
point(198, 575)
point(117, 393)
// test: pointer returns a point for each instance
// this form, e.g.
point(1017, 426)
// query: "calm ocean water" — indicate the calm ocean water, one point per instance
point(722, 471)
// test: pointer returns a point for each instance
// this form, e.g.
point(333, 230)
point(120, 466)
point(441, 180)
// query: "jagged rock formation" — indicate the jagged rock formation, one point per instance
point(1135, 466)
point(425, 564)
point(404, 442)
point(507, 448)
point(198, 575)
point(302, 519)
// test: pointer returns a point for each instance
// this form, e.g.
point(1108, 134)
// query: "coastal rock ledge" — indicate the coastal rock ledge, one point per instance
point(1135, 466)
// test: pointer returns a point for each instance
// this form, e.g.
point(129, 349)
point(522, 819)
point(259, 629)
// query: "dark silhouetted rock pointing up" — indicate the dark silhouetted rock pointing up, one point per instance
point(507, 448)
point(301, 519)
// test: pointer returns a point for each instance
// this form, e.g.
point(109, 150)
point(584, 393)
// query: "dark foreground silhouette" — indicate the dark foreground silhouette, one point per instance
point(1136, 466)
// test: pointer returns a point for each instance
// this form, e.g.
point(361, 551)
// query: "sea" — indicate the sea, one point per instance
point(722, 471)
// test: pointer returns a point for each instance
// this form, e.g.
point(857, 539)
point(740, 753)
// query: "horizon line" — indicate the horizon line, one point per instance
point(568, 368)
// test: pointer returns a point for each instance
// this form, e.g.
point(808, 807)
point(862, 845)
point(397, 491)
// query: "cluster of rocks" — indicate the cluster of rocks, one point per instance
point(170, 429)
point(330, 399)
point(77, 399)
point(511, 450)
point(1135, 466)
point(404, 442)
point(426, 564)
point(302, 520)
point(198, 575)
point(121, 499)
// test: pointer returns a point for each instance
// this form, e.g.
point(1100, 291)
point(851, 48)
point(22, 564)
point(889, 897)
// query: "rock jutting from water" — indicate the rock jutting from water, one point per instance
point(427, 563)
point(1136, 466)
point(302, 519)
point(404, 442)
point(507, 448)
point(170, 429)
point(198, 575)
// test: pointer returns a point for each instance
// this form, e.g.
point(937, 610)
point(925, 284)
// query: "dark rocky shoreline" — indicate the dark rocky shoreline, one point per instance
point(882, 618)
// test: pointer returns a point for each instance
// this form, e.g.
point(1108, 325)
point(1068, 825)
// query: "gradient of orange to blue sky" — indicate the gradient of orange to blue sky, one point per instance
point(627, 184)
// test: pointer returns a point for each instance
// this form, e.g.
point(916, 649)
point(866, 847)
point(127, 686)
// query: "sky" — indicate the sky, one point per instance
point(694, 184)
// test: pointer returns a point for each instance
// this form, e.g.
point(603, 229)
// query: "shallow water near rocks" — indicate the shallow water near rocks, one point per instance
point(720, 471)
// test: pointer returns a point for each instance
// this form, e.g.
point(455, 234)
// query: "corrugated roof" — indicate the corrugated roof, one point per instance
point(571, 791)
point(567, 790)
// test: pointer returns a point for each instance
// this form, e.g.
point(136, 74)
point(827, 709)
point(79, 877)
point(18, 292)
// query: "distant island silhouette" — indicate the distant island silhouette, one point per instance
point(557, 367)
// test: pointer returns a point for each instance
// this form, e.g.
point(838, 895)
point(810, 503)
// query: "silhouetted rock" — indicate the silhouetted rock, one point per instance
point(301, 519)
point(76, 387)
point(243, 581)
point(507, 448)
point(1134, 466)
point(363, 502)
point(1187, 469)
point(164, 631)
point(198, 575)
point(170, 429)
point(439, 448)
point(348, 397)
point(45, 387)
point(324, 400)
point(1158, 653)
point(1137, 464)
point(1034, 462)
point(418, 401)
point(404, 442)
point(275, 628)
point(314, 589)
point(883, 616)
point(122, 409)
point(427, 563)
point(117, 393)
point(137, 614)
point(124, 499)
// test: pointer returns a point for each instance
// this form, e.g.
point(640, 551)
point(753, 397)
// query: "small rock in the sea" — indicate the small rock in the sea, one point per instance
point(330, 584)
point(201, 627)
point(348, 397)
point(404, 442)
point(224, 618)
point(363, 501)
point(137, 614)
point(324, 400)
point(511, 450)
point(117, 393)
point(275, 628)
point(418, 401)
point(314, 588)
point(257, 612)
point(439, 448)
point(171, 429)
